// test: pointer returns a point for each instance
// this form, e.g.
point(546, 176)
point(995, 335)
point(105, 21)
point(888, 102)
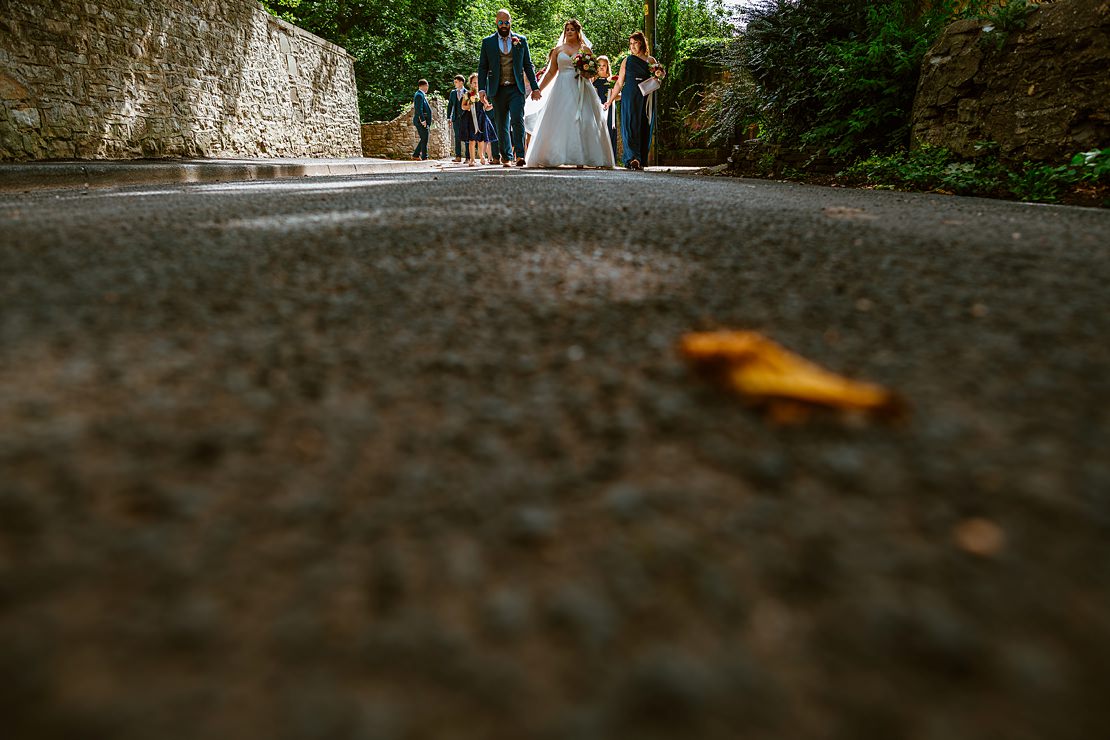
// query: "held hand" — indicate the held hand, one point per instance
point(607, 104)
point(536, 95)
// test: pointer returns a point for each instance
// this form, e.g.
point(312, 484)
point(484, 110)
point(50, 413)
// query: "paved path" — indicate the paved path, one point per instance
point(412, 456)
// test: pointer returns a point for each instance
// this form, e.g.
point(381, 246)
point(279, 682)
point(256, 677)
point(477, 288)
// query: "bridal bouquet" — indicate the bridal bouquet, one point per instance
point(585, 64)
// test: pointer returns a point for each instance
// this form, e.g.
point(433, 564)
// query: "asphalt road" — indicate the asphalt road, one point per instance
point(414, 457)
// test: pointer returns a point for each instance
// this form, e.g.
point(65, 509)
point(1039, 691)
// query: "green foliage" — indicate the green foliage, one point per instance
point(1001, 21)
point(928, 168)
point(867, 84)
point(935, 168)
point(1041, 183)
point(733, 103)
point(693, 81)
point(1093, 166)
point(1013, 16)
point(396, 42)
point(839, 75)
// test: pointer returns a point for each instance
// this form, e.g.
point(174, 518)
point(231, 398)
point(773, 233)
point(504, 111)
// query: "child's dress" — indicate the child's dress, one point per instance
point(466, 124)
point(474, 123)
point(487, 124)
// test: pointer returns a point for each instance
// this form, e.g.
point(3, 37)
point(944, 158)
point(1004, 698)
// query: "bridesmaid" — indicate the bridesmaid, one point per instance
point(474, 128)
point(637, 111)
point(485, 134)
point(468, 128)
point(601, 84)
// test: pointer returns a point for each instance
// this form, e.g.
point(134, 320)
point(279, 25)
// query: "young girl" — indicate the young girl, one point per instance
point(602, 84)
point(485, 144)
point(477, 128)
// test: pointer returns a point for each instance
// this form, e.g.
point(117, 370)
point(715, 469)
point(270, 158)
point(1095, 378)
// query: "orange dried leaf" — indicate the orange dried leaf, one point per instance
point(764, 371)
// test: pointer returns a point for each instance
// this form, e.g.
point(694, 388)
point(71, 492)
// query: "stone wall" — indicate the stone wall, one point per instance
point(119, 79)
point(397, 138)
point(1044, 94)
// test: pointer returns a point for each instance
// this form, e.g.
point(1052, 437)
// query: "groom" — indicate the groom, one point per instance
point(502, 66)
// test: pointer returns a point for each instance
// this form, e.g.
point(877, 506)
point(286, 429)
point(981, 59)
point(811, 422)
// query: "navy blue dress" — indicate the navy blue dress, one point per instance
point(477, 125)
point(467, 130)
point(602, 87)
point(486, 123)
point(636, 123)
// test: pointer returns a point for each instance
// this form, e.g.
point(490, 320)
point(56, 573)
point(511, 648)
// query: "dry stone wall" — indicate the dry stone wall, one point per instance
point(397, 138)
point(120, 79)
point(1043, 94)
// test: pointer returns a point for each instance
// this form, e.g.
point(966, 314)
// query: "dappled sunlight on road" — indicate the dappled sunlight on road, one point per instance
point(308, 185)
point(313, 185)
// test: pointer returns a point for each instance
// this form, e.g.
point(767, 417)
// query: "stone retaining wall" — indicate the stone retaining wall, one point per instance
point(119, 79)
point(1041, 93)
point(397, 138)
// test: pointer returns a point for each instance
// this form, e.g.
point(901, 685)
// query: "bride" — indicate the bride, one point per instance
point(568, 126)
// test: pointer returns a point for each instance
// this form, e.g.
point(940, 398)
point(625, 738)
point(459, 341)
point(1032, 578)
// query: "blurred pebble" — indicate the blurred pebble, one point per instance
point(582, 613)
point(980, 537)
point(667, 685)
point(845, 463)
point(19, 513)
point(1033, 669)
point(464, 566)
point(626, 502)
point(506, 612)
point(533, 524)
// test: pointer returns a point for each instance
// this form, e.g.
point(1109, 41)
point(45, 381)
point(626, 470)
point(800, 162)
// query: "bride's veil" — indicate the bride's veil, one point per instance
point(582, 40)
point(533, 109)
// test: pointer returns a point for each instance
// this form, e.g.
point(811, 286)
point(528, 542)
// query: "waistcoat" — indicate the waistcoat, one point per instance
point(507, 67)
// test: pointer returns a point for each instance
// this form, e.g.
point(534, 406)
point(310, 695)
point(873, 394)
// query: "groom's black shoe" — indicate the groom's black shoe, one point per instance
point(520, 163)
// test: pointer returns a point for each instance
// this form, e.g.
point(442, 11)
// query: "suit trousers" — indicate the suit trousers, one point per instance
point(421, 150)
point(456, 125)
point(508, 108)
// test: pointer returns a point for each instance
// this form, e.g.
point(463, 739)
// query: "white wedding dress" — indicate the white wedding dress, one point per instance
point(567, 124)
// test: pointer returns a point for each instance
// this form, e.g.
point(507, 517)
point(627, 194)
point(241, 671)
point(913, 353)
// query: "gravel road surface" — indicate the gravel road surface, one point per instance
point(408, 457)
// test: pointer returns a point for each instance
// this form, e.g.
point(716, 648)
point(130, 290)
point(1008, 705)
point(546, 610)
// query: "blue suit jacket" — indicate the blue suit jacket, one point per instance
point(489, 65)
point(454, 105)
point(421, 111)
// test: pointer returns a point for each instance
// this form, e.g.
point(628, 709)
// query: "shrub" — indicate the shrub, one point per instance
point(839, 75)
point(937, 169)
point(1093, 166)
point(1002, 20)
point(1041, 183)
point(929, 168)
point(868, 82)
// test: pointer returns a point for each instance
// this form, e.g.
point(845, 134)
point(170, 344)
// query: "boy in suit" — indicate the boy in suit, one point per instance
point(422, 119)
point(454, 114)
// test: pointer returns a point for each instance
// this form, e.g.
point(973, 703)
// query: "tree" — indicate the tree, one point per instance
point(396, 42)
